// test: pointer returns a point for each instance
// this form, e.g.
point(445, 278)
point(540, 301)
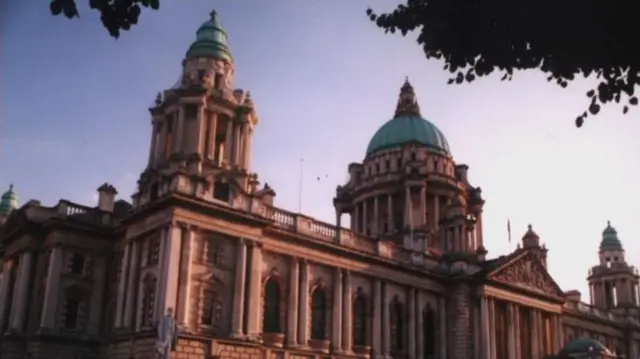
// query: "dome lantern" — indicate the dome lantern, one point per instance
point(211, 41)
point(8, 201)
point(610, 240)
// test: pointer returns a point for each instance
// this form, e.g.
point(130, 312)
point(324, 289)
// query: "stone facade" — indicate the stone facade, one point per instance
point(245, 279)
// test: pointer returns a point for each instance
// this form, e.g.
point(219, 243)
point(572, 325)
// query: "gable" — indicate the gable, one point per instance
point(528, 273)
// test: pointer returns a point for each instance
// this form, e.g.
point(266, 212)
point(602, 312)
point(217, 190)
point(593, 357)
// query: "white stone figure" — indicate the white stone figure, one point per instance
point(167, 334)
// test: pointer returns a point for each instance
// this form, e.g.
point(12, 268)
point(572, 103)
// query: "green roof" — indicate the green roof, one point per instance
point(8, 201)
point(211, 41)
point(584, 346)
point(408, 126)
point(610, 241)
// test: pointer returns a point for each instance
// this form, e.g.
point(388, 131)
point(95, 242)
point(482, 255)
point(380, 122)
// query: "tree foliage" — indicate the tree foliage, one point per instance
point(563, 39)
point(116, 15)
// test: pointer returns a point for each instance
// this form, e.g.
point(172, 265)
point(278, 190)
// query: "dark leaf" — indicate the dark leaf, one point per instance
point(55, 7)
point(594, 109)
point(579, 121)
point(633, 101)
point(591, 93)
point(625, 109)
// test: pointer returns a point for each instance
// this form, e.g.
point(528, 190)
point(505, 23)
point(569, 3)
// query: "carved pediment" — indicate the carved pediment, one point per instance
point(527, 272)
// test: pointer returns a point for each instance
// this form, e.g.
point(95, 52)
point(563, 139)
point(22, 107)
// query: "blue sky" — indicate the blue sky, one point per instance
point(74, 115)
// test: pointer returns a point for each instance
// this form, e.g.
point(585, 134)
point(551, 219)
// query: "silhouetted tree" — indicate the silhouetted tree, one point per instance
point(563, 39)
point(116, 15)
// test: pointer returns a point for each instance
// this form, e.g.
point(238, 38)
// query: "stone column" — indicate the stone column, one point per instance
point(303, 314)
point(170, 269)
point(227, 141)
point(386, 321)
point(236, 144)
point(442, 337)
point(516, 330)
point(255, 292)
point(423, 205)
point(292, 308)
point(347, 316)
point(336, 333)
point(178, 146)
point(211, 146)
point(365, 220)
point(407, 207)
point(486, 328)
point(479, 237)
point(52, 288)
point(132, 285)
point(5, 288)
point(184, 294)
point(411, 330)
point(492, 323)
point(237, 317)
point(201, 118)
point(420, 325)
point(511, 331)
point(249, 142)
point(376, 330)
point(356, 220)
point(535, 333)
point(375, 231)
point(97, 294)
point(392, 225)
point(154, 139)
point(560, 333)
point(19, 310)
point(436, 212)
point(122, 287)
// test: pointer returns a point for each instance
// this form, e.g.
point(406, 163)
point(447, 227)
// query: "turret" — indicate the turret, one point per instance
point(613, 283)
point(531, 242)
point(8, 203)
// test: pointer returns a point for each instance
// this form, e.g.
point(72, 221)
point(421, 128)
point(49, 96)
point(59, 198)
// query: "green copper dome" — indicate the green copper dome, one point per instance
point(408, 126)
point(584, 346)
point(9, 201)
point(211, 41)
point(610, 241)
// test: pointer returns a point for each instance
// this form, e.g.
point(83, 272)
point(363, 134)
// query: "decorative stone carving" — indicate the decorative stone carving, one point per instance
point(529, 274)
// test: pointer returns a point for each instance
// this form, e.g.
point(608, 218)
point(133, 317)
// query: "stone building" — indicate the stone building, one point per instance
point(203, 240)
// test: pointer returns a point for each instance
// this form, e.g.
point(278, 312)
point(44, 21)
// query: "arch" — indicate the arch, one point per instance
point(271, 310)
point(429, 332)
point(360, 318)
point(397, 325)
point(149, 283)
point(319, 313)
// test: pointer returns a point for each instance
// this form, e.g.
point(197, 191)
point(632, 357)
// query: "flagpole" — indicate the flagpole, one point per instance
point(509, 229)
point(300, 186)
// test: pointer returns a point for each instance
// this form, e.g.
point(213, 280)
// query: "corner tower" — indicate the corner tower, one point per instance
point(409, 190)
point(613, 283)
point(202, 127)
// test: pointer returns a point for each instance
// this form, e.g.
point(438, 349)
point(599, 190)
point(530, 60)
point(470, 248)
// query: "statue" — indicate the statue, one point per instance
point(167, 335)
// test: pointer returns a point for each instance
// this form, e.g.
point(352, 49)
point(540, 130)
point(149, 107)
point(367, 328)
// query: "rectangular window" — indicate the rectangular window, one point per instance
point(148, 299)
point(72, 313)
point(153, 251)
point(213, 252)
point(218, 81)
point(77, 264)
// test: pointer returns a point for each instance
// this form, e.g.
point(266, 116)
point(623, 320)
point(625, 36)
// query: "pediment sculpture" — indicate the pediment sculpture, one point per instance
point(529, 274)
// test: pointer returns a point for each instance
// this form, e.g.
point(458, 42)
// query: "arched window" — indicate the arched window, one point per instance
point(360, 320)
point(397, 326)
point(318, 314)
point(271, 321)
point(429, 332)
point(148, 300)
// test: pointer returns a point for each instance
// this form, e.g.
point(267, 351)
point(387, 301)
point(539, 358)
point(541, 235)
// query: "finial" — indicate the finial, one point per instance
point(530, 227)
point(608, 223)
point(10, 187)
point(213, 15)
point(407, 103)
point(406, 79)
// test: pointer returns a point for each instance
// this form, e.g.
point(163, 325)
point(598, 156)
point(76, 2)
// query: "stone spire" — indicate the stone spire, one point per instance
point(407, 102)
